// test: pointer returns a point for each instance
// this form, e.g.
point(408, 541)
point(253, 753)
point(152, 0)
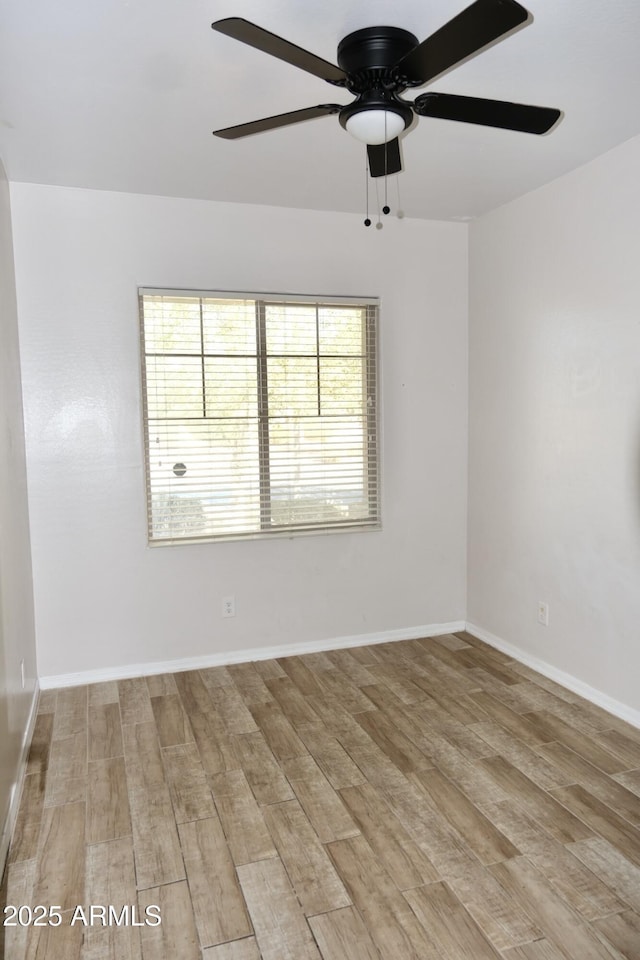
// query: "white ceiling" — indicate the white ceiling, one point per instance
point(124, 94)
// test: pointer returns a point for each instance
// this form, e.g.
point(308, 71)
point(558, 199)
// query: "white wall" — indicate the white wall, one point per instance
point(103, 598)
point(554, 506)
point(17, 641)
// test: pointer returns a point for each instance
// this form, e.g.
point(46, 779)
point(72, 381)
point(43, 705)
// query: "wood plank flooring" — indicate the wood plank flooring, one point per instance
point(421, 800)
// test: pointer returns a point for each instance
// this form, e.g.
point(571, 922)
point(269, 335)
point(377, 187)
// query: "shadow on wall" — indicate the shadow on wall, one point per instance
point(636, 477)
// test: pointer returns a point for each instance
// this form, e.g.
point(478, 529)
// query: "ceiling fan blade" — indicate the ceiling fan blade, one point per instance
point(269, 43)
point(480, 24)
point(384, 158)
point(488, 113)
point(280, 120)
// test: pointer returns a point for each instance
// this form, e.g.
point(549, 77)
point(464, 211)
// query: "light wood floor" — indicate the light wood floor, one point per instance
point(423, 800)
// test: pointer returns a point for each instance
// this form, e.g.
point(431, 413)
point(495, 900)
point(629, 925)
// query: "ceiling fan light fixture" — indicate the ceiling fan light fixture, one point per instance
point(375, 126)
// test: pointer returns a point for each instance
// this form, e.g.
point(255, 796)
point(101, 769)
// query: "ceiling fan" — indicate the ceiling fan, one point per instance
point(377, 64)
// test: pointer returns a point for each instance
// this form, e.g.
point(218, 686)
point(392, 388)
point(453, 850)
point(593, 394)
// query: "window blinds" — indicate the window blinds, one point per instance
point(260, 414)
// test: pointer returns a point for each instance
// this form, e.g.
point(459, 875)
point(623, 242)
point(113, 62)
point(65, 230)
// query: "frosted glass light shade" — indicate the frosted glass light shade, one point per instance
point(370, 127)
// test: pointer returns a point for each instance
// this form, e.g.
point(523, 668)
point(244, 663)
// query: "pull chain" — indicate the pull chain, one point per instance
point(385, 209)
point(367, 221)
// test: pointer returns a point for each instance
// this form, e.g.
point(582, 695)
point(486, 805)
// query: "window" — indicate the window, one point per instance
point(260, 414)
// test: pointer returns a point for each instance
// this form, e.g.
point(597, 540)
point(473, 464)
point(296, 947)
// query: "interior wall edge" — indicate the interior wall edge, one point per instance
point(247, 655)
point(16, 790)
point(597, 697)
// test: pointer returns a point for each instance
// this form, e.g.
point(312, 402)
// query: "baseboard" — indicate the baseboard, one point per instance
point(244, 656)
point(16, 791)
point(600, 699)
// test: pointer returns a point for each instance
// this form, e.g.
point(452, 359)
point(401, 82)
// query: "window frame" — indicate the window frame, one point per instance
point(371, 456)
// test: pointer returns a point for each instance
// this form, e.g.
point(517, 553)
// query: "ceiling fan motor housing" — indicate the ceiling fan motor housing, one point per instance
point(374, 48)
point(369, 58)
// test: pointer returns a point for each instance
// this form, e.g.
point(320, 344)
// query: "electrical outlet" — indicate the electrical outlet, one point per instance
point(22, 681)
point(229, 606)
point(543, 613)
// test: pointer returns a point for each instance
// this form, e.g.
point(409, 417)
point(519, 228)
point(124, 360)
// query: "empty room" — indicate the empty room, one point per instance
point(320, 480)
